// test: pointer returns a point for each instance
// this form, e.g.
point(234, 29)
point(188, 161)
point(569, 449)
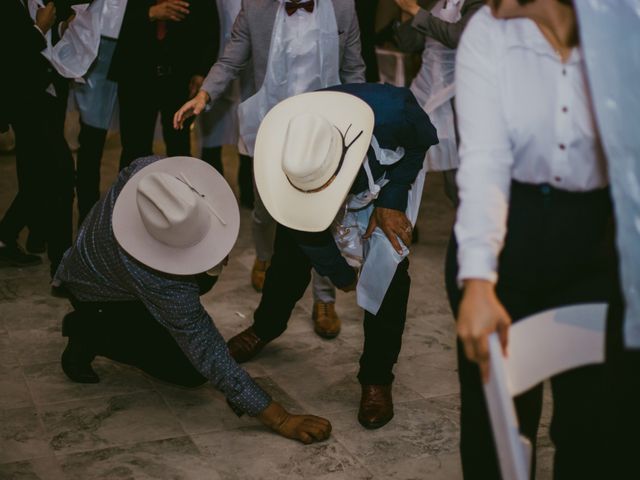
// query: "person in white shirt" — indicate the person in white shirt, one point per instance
point(96, 96)
point(533, 227)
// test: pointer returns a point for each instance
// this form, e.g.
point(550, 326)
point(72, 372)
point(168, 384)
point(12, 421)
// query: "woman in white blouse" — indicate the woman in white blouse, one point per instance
point(533, 223)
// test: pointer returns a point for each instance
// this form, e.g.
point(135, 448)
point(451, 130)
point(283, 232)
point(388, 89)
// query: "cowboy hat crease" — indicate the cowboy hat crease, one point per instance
point(177, 215)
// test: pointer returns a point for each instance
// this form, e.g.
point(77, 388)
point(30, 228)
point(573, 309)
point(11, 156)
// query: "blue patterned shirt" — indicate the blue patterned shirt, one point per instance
point(96, 269)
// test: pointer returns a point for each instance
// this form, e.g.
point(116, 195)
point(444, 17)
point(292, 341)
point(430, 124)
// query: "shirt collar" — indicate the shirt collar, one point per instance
point(524, 33)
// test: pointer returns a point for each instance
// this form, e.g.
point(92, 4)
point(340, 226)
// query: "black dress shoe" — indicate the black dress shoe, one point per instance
point(13, 255)
point(77, 357)
point(246, 345)
point(76, 366)
point(376, 406)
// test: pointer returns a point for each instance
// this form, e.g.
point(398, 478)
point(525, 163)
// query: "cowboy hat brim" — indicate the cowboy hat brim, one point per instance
point(134, 238)
point(310, 212)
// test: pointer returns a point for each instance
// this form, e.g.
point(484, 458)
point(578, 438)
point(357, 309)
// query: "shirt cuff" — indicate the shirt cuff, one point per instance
point(476, 263)
point(247, 397)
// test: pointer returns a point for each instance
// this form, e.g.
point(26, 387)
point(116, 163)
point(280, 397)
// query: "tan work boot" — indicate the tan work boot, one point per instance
point(326, 322)
point(258, 274)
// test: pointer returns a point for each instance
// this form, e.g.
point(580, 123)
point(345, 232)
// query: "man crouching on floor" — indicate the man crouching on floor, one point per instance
point(143, 256)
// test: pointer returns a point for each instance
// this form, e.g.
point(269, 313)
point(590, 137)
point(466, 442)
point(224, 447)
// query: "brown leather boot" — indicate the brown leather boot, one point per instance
point(246, 345)
point(376, 406)
point(258, 274)
point(326, 322)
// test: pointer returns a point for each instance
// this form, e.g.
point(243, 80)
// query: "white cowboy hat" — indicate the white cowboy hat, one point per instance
point(177, 215)
point(308, 152)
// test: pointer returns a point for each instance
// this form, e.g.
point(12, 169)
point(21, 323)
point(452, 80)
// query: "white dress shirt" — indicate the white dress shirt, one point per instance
point(522, 115)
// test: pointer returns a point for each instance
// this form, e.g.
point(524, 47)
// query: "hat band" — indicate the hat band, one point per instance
point(345, 148)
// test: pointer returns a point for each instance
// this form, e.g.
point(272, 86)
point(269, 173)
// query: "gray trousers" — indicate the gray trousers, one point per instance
point(264, 230)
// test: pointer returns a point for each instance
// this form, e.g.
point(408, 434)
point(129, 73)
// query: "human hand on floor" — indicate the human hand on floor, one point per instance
point(393, 223)
point(193, 107)
point(304, 428)
point(481, 314)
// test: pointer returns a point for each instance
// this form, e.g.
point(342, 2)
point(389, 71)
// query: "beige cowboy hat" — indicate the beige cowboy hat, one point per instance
point(177, 215)
point(308, 152)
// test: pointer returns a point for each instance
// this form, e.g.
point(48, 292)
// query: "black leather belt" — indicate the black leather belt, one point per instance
point(163, 70)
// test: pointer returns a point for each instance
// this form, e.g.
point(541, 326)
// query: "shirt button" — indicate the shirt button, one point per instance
point(564, 71)
point(565, 109)
point(557, 179)
point(562, 146)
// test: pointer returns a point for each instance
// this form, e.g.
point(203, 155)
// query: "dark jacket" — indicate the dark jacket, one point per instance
point(399, 122)
point(410, 35)
point(25, 72)
point(189, 48)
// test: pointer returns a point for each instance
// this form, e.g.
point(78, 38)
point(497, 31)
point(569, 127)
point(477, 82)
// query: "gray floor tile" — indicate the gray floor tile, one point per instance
point(170, 459)
point(290, 353)
point(428, 333)
point(14, 391)
point(255, 454)
point(440, 467)
point(47, 468)
point(323, 389)
point(420, 428)
point(49, 384)
point(202, 410)
point(544, 463)
point(43, 345)
point(21, 435)
point(34, 310)
point(431, 375)
point(104, 422)
point(8, 353)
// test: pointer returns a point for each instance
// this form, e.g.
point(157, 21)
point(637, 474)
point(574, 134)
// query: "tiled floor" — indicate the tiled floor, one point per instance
point(129, 426)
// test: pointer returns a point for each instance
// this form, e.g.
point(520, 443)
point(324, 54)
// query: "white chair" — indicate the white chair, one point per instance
point(540, 346)
point(396, 67)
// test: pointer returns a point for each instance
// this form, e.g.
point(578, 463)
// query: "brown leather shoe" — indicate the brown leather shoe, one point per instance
point(246, 345)
point(376, 406)
point(258, 274)
point(326, 322)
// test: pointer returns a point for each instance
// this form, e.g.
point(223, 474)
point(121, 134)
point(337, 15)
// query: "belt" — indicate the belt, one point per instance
point(544, 189)
point(164, 70)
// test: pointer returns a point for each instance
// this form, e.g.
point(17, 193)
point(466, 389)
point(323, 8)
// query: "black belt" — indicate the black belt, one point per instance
point(545, 190)
point(164, 70)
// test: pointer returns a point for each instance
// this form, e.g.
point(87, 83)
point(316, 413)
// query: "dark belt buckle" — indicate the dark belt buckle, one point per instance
point(163, 70)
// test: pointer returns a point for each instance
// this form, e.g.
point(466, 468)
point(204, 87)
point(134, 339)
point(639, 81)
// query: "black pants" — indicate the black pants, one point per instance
point(91, 140)
point(213, 156)
point(366, 11)
point(140, 101)
point(558, 251)
point(44, 166)
point(286, 281)
point(127, 333)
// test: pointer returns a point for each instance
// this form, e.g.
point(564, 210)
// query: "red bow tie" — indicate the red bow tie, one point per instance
point(292, 7)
